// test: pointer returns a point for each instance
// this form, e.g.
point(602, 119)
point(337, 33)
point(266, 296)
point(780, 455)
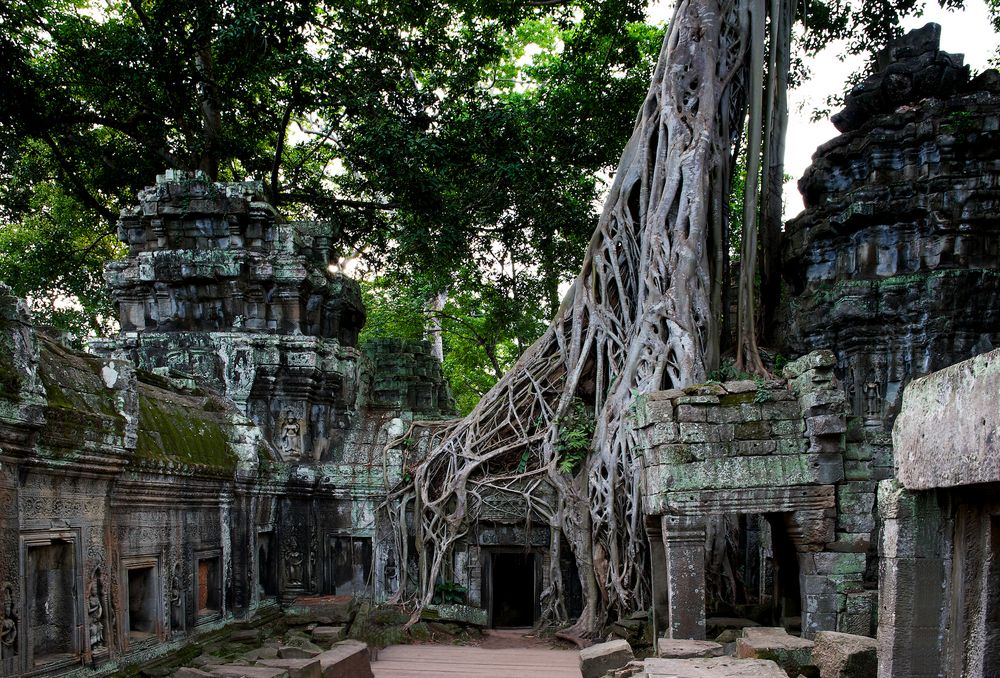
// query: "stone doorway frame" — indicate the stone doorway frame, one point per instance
point(677, 549)
point(40, 538)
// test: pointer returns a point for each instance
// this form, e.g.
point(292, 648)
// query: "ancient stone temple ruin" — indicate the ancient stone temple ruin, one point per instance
point(222, 454)
point(893, 274)
point(223, 458)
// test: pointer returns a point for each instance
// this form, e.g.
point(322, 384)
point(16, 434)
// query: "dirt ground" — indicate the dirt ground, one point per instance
point(511, 639)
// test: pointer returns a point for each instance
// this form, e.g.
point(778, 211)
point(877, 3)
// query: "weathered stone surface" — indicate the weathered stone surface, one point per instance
point(296, 668)
point(598, 659)
point(245, 636)
point(843, 655)
point(300, 651)
point(901, 225)
point(234, 671)
point(948, 430)
point(715, 667)
point(462, 614)
point(672, 648)
point(266, 652)
point(330, 610)
point(327, 635)
point(791, 653)
point(186, 672)
point(346, 659)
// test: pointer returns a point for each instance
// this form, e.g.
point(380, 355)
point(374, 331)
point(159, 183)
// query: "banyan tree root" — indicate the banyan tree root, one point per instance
point(641, 316)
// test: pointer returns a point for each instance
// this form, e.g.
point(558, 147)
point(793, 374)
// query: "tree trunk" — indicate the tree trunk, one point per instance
point(640, 317)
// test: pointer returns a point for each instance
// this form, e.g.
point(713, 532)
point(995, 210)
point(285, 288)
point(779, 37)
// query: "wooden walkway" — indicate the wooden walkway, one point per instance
point(452, 661)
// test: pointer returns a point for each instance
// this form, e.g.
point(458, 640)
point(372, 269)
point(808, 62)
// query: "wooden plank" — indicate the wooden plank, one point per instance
point(453, 661)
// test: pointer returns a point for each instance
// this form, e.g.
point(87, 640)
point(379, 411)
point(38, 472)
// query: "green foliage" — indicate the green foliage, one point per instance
point(449, 593)
point(576, 433)
point(454, 143)
point(727, 372)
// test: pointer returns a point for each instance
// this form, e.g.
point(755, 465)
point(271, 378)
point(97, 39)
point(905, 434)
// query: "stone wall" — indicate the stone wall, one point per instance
point(130, 506)
point(939, 578)
point(893, 263)
point(777, 449)
point(222, 455)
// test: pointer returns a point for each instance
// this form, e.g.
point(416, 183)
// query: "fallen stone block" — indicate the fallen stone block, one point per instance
point(245, 636)
point(716, 625)
point(297, 652)
point(205, 661)
point(597, 660)
point(674, 648)
point(260, 653)
point(297, 668)
point(712, 667)
point(186, 672)
point(233, 671)
point(845, 655)
point(463, 614)
point(325, 610)
point(327, 635)
point(790, 652)
point(346, 659)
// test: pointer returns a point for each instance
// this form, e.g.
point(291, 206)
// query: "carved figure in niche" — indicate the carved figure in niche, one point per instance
point(293, 561)
point(8, 624)
point(291, 440)
point(873, 398)
point(95, 610)
point(176, 599)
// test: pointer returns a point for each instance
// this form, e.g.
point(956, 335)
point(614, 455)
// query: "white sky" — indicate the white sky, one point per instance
point(967, 32)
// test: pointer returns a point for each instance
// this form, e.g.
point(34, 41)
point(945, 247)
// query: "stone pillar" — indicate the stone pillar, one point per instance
point(658, 575)
point(684, 548)
point(914, 567)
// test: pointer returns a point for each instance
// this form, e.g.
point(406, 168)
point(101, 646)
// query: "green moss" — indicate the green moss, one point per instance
point(734, 399)
point(54, 393)
point(171, 432)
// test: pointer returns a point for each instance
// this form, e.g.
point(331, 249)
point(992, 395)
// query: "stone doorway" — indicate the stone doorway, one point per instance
point(786, 587)
point(141, 589)
point(267, 565)
point(511, 588)
point(52, 601)
point(348, 565)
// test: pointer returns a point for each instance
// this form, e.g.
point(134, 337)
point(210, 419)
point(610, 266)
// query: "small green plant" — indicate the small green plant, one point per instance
point(576, 432)
point(959, 122)
point(779, 362)
point(727, 372)
point(762, 395)
point(522, 466)
point(449, 593)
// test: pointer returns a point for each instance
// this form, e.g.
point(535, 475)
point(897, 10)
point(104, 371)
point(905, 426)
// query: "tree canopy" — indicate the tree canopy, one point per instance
point(460, 146)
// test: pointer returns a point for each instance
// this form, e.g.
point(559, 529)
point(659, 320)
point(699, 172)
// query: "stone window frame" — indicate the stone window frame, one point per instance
point(36, 538)
point(211, 615)
point(138, 563)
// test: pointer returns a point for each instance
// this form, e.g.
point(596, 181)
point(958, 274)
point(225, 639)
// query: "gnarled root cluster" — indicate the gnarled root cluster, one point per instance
point(641, 316)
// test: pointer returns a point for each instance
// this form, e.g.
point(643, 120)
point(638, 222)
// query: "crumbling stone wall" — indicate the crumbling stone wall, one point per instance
point(893, 263)
point(777, 448)
point(108, 473)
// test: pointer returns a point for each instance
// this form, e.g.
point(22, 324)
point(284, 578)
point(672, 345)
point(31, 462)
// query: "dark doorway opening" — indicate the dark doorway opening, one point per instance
point(787, 592)
point(513, 599)
point(52, 601)
point(348, 565)
point(141, 602)
point(267, 565)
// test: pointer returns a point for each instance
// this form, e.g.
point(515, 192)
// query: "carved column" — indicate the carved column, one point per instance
point(658, 575)
point(684, 548)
